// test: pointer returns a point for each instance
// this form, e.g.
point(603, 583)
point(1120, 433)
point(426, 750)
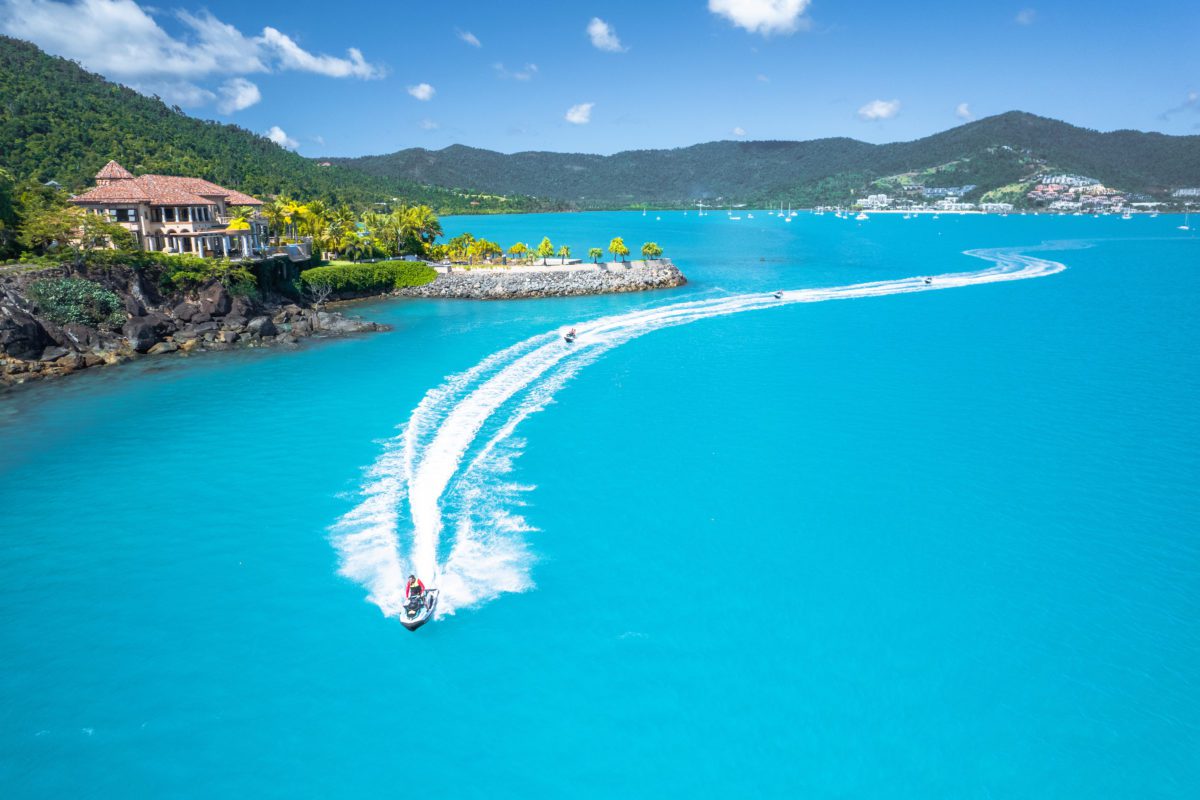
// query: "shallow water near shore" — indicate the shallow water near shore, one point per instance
point(916, 542)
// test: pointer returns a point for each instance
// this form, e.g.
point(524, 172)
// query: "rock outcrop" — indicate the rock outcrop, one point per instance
point(156, 323)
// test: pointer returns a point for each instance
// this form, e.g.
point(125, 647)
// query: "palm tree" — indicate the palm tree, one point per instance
point(595, 254)
point(276, 212)
point(518, 250)
point(565, 253)
point(617, 248)
point(545, 249)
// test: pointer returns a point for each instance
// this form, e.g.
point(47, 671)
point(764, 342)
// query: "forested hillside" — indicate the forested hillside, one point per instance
point(990, 152)
point(60, 122)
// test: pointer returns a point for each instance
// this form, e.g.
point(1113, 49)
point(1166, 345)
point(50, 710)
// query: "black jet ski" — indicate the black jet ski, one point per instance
point(778, 295)
point(928, 281)
point(419, 609)
point(569, 337)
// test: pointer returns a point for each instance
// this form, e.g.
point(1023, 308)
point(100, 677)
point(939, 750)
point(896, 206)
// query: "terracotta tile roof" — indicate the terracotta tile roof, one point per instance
point(163, 190)
point(113, 171)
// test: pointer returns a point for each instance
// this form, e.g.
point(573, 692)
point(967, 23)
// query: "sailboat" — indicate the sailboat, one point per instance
point(1186, 217)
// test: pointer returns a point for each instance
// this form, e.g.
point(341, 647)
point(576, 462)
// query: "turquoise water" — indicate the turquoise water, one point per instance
point(918, 542)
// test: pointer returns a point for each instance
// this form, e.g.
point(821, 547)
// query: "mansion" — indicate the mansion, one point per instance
point(177, 215)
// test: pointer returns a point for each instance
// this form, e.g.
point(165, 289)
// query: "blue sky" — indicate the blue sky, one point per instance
point(355, 78)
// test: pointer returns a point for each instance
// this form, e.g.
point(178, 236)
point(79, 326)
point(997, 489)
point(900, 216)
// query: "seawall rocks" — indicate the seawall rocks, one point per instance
point(498, 283)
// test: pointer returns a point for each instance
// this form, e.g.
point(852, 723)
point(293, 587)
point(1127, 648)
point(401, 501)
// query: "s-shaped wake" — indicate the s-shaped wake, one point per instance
point(447, 467)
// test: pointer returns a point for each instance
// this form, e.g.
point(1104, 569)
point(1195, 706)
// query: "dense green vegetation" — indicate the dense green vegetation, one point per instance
point(67, 300)
point(59, 122)
point(380, 277)
point(990, 152)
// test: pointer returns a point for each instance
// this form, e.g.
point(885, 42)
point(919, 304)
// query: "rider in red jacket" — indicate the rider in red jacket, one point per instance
point(415, 587)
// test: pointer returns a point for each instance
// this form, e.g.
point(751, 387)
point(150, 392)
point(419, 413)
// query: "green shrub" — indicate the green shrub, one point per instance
point(67, 300)
point(381, 277)
point(186, 272)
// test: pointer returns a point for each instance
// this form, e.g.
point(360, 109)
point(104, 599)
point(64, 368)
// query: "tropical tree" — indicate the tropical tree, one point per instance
point(595, 254)
point(518, 251)
point(278, 214)
point(71, 227)
point(545, 249)
point(483, 249)
point(617, 248)
point(651, 250)
point(564, 252)
point(459, 246)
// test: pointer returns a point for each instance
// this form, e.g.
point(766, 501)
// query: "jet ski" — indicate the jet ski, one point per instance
point(569, 336)
point(928, 281)
point(778, 295)
point(419, 610)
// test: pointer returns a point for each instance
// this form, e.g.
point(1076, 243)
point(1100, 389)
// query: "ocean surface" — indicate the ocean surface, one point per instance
point(874, 539)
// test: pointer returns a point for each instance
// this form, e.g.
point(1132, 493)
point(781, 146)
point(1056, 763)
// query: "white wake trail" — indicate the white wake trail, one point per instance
point(458, 444)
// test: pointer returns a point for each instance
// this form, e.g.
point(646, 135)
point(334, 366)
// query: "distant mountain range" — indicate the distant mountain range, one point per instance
point(60, 122)
point(995, 155)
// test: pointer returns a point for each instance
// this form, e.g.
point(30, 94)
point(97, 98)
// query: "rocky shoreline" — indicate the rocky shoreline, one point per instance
point(156, 323)
point(498, 283)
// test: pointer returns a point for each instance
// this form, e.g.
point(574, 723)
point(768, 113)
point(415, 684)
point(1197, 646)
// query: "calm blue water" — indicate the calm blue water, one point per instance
point(930, 544)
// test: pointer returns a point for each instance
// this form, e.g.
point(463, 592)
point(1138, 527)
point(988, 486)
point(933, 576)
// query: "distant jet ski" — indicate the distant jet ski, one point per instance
point(419, 609)
point(778, 295)
point(569, 336)
point(928, 281)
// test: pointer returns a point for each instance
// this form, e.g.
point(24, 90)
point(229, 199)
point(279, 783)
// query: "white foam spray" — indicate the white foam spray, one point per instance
point(448, 463)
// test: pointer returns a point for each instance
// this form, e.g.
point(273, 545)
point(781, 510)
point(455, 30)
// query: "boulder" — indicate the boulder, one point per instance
point(93, 360)
point(142, 333)
point(228, 337)
point(215, 300)
point(71, 362)
point(163, 347)
point(133, 307)
point(189, 345)
point(261, 326)
point(83, 337)
point(185, 311)
point(244, 307)
point(199, 319)
point(21, 335)
point(53, 353)
point(205, 327)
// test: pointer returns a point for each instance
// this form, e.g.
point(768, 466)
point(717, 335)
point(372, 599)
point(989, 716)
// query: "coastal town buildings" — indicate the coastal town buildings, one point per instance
point(175, 214)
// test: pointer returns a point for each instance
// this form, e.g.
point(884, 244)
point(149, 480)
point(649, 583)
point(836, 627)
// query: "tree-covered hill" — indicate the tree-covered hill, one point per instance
point(60, 122)
point(990, 152)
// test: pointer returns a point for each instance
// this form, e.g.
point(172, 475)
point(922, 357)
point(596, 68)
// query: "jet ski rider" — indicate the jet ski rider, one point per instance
point(414, 589)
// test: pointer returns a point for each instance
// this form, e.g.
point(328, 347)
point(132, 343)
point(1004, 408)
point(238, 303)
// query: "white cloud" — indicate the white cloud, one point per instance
point(428, 125)
point(879, 109)
point(526, 73)
point(739, 131)
point(293, 56)
point(603, 36)
point(319, 140)
point(469, 38)
point(762, 78)
point(422, 91)
point(1026, 16)
point(236, 94)
point(764, 16)
point(123, 41)
point(580, 114)
point(277, 135)
point(963, 111)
